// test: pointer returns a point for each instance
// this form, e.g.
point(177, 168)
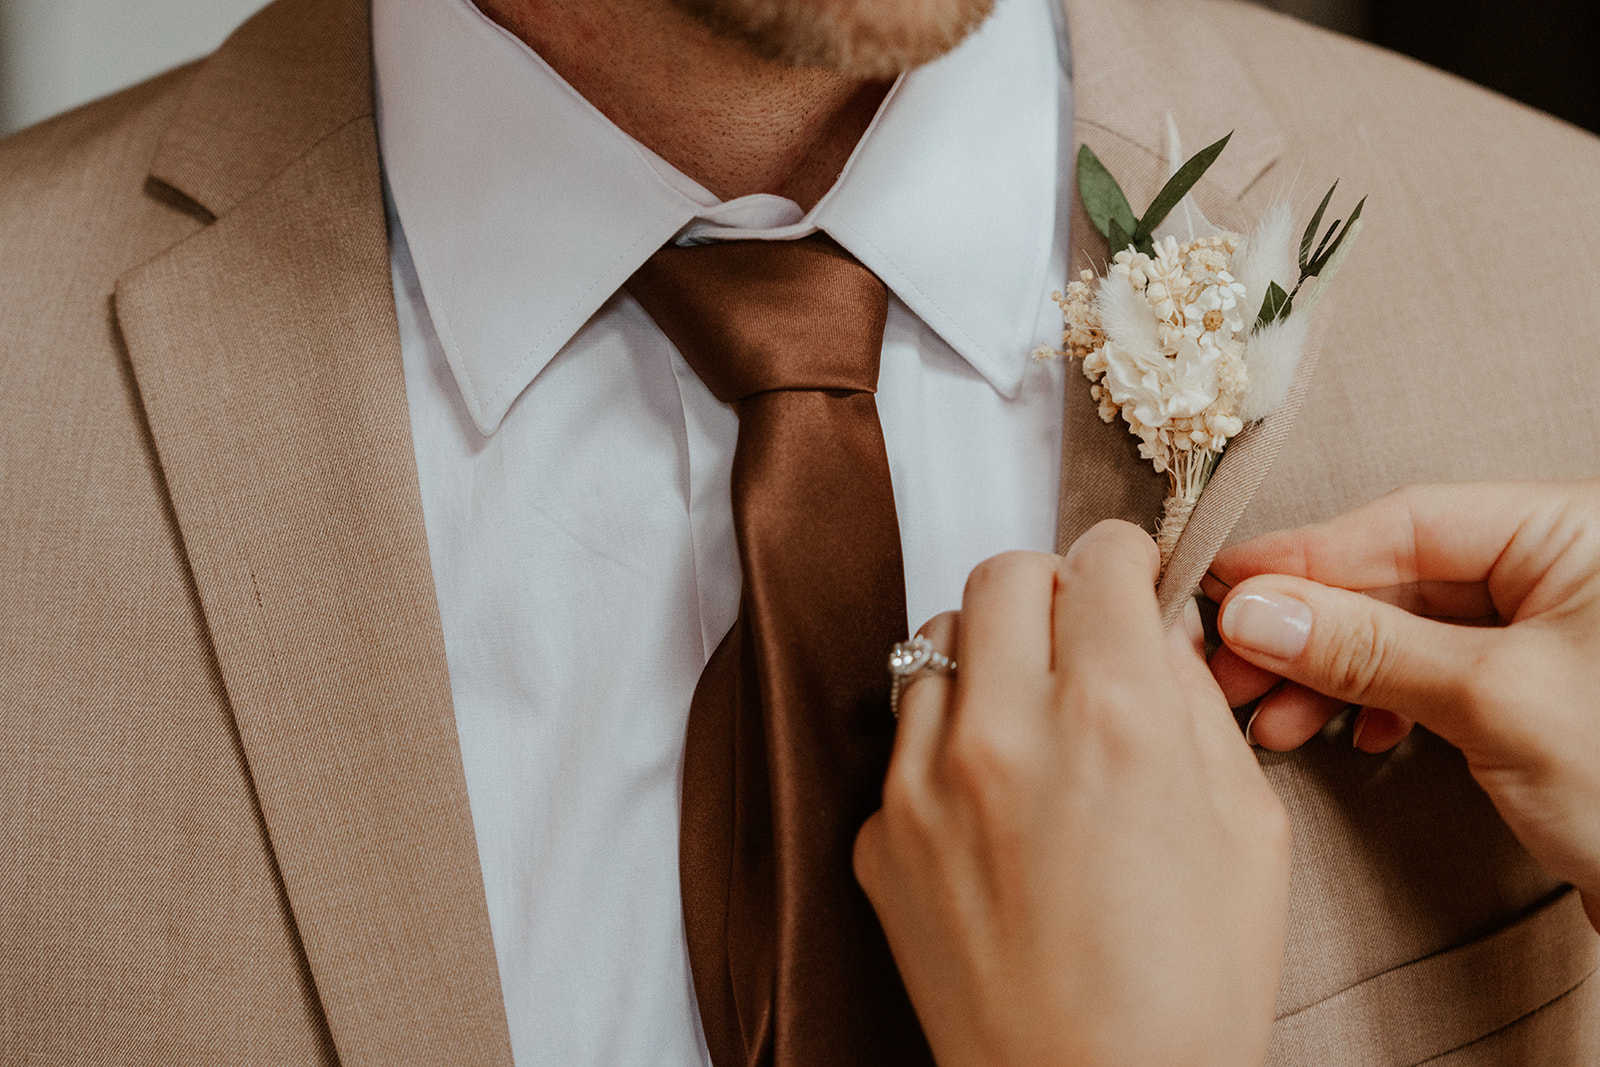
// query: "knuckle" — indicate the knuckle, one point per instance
point(1106, 538)
point(1408, 498)
point(866, 858)
point(1116, 709)
point(1490, 680)
point(985, 767)
point(1007, 565)
point(1258, 825)
point(901, 797)
point(983, 575)
point(910, 814)
point(1407, 493)
point(941, 626)
point(1358, 654)
point(1117, 532)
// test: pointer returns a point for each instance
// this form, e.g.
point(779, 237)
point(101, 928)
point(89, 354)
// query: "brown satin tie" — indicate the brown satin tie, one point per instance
point(789, 730)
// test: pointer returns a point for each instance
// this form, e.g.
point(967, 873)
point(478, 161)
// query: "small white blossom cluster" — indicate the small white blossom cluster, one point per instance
point(1194, 331)
point(1164, 341)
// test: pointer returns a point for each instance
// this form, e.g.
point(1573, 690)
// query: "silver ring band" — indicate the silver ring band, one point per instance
point(911, 660)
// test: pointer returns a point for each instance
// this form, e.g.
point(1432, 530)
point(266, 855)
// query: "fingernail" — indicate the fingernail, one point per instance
point(1361, 724)
point(1249, 728)
point(1276, 626)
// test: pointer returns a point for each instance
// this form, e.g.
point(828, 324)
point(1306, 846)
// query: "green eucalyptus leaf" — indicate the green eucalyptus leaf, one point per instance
point(1320, 256)
point(1312, 228)
point(1178, 187)
point(1119, 237)
point(1356, 214)
point(1323, 259)
point(1276, 306)
point(1103, 199)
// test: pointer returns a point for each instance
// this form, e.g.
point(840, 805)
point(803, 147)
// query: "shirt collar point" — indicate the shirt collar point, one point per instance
point(1004, 372)
point(488, 406)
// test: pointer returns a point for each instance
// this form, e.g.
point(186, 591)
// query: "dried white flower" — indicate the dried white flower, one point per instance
point(1164, 340)
point(1193, 332)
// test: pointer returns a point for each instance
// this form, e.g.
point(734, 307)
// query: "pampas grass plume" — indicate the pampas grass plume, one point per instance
point(1125, 317)
point(1268, 256)
point(1272, 353)
point(1271, 356)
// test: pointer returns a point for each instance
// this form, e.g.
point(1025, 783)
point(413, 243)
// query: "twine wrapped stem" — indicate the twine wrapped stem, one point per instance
point(1191, 469)
point(1174, 517)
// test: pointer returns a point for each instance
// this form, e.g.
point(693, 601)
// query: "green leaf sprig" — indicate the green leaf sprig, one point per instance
point(1279, 304)
point(1108, 208)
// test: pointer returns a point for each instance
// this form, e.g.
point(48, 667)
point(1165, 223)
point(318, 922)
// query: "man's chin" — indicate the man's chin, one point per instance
point(870, 39)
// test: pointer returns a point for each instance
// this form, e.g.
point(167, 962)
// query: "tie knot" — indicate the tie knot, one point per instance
point(757, 316)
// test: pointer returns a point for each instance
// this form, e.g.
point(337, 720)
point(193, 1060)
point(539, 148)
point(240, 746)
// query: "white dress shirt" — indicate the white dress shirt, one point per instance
point(575, 472)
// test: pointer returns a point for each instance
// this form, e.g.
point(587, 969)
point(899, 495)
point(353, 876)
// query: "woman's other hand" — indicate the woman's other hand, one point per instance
point(1483, 625)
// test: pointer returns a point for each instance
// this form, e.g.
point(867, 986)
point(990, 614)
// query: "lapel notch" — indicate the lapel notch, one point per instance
point(293, 74)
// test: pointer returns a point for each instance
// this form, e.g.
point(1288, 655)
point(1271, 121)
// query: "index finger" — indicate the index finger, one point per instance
point(1424, 533)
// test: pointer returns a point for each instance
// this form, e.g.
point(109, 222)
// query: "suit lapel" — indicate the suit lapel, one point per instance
point(267, 358)
point(1134, 63)
point(1239, 474)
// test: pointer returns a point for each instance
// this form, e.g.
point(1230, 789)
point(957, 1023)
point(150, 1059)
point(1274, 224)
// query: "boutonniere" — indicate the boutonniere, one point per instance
point(1193, 332)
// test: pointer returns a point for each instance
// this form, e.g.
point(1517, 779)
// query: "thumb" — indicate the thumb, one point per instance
point(1354, 648)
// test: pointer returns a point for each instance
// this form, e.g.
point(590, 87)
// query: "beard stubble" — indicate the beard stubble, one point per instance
point(868, 39)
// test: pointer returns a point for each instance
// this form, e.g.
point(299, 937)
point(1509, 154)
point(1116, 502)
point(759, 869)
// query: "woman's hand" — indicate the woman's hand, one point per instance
point(1078, 859)
point(1511, 675)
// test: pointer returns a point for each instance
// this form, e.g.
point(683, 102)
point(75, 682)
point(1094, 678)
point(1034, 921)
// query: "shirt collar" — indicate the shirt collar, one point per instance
point(525, 208)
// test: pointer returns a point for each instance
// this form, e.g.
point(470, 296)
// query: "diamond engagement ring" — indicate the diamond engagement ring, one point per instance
point(909, 661)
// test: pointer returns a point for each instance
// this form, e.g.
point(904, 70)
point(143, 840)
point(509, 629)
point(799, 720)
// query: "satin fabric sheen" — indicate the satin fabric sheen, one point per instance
point(789, 732)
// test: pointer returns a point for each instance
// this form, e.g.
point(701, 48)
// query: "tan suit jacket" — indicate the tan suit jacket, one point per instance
point(233, 822)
